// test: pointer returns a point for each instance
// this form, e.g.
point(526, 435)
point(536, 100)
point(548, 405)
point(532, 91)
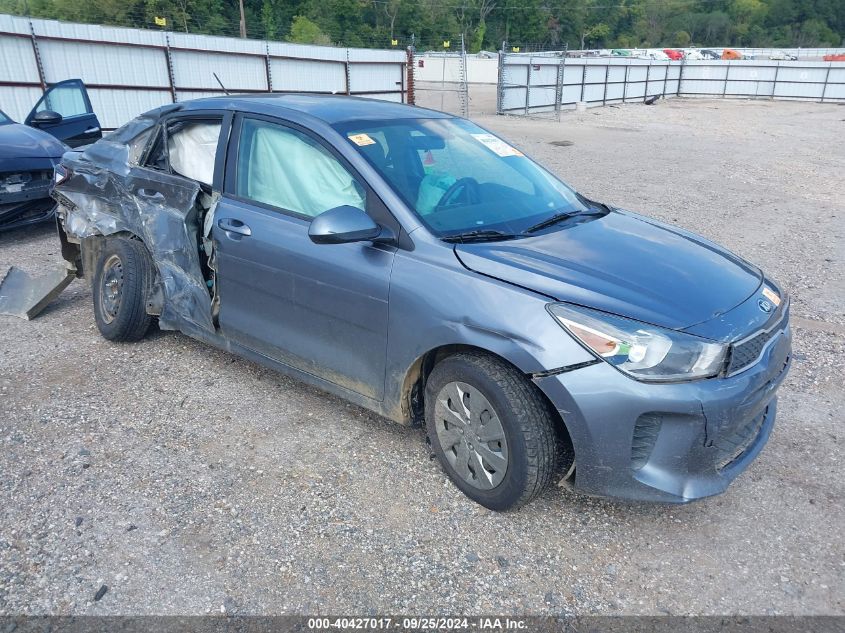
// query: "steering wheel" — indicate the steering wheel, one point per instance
point(471, 186)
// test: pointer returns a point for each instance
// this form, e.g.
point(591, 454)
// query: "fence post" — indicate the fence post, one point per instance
point(463, 88)
point(583, 78)
point(528, 86)
point(727, 76)
point(348, 82)
point(647, 75)
point(606, 76)
point(680, 77)
point(625, 83)
point(826, 76)
point(267, 67)
point(665, 77)
point(170, 75)
point(410, 98)
point(500, 84)
point(561, 72)
point(775, 82)
point(37, 53)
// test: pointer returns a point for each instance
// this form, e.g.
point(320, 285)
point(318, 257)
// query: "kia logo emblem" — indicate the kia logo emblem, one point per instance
point(765, 306)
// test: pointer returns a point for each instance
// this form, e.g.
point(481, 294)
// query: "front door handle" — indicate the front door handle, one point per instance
point(92, 130)
point(231, 225)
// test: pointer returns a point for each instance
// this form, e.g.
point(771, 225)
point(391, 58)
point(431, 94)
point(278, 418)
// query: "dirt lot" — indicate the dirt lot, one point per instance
point(189, 481)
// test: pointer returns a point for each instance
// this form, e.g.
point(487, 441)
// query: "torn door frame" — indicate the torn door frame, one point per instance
point(107, 196)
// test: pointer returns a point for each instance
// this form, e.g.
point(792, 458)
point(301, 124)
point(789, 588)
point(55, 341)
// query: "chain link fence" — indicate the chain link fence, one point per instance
point(439, 80)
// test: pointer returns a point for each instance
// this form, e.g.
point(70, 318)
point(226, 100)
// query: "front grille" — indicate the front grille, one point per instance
point(730, 446)
point(645, 435)
point(747, 352)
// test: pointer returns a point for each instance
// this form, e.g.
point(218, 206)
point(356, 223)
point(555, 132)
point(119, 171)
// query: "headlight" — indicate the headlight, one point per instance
point(645, 352)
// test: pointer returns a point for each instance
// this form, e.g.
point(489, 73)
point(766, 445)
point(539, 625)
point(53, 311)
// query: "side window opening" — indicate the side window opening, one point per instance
point(188, 148)
point(137, 146)
point(157, 156)
point(288, 170)
point(69, 101)
point(192, 148)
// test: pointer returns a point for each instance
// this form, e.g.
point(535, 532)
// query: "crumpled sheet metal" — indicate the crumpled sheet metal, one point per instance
point(103, 193)
point(25, 297)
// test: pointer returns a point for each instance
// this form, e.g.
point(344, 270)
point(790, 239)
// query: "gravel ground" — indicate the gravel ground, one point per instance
point(189, 481)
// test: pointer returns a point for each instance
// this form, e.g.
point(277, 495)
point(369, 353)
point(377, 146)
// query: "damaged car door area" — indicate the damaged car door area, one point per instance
point(237, 269)
point(153, 183)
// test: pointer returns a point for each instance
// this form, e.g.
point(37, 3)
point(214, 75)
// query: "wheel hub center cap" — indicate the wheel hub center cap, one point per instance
point(462, 416)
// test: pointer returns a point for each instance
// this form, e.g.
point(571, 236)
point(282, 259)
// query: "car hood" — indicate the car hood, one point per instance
point(19, 141)
point(625, 264)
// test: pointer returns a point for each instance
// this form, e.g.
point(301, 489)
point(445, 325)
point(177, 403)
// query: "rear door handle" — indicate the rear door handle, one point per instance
point(231, 225)
point(92, 130)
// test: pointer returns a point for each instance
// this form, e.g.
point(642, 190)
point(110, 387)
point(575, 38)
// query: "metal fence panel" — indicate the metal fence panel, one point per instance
point(308, 75)
point(525, 80)
point(96, 33)
point(798, 90)
point(129, 71)
point(17, 64)
point(103, 63)
point(196, 69)
point(367, 77)
point(17, 101)
point(116, 107)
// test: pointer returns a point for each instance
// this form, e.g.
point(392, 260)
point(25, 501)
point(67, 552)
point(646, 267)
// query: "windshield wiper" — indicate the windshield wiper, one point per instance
point(480, 235)
point(601, 206)
point(550, 221)
point(601, 209)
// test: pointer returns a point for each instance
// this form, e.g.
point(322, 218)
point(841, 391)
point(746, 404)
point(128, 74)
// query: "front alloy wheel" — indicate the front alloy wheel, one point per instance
point(491, 429)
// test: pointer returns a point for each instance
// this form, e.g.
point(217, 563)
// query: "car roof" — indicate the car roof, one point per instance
point(331, 109)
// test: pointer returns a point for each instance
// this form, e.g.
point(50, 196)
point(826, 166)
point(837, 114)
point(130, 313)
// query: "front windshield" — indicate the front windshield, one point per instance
point(458, 177)
point(4, 118)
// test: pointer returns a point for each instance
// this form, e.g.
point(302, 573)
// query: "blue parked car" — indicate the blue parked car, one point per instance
point(424, 268)
point(29, 151)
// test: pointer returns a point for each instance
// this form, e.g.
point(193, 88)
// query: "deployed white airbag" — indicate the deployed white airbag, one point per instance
point(287, 171)
point(192, 150)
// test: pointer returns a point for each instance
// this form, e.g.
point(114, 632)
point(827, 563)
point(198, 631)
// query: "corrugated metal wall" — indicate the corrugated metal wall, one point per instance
point(530, 84)
point(129, 71)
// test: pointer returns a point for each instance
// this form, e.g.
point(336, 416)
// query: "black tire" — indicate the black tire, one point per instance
point(524, 418)
point(120, 309)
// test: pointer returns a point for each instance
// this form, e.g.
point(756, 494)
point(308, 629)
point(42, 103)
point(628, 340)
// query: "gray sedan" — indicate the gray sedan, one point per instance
point(426, 269)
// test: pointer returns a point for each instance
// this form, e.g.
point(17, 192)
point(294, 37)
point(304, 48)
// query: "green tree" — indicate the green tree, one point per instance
point(268, 20)
point(304, 31)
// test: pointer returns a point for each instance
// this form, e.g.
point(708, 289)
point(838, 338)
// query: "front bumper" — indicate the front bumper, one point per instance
point(26, 200)
point(667, 442)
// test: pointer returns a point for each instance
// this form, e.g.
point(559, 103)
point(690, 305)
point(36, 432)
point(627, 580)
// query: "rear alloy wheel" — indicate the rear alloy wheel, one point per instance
point(490, 429)
point(122, 282)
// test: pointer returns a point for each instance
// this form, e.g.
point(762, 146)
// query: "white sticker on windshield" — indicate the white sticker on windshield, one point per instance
point(362, 139)
point(496, 145)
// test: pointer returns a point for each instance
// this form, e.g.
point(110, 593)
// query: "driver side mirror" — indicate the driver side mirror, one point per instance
point(343, 225)
point(46, 117)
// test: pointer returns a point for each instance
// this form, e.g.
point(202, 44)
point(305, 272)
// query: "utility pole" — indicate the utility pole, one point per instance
point(243, 19)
